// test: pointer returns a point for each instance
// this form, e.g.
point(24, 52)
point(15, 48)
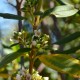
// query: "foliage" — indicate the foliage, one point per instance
point(37, 45)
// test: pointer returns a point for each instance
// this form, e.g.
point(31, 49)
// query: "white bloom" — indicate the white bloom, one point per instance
point(46, 78)
point(18, 77)
point(34, 43)
point(55, 47)
point(22, 71)
point(28, 77)
point(37, 32)
point(20, 33)
point(11, 39)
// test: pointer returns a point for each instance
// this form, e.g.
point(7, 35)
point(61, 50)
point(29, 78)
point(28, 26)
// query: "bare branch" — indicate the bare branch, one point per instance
point(21, 1)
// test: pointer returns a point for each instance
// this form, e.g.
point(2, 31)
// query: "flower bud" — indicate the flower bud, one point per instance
point(18, 77)
point(46, 78)
point(55, 47)
point(28, 77)
point(37, 32)
point(23, 71)
point(34, 43)
point(20, 33)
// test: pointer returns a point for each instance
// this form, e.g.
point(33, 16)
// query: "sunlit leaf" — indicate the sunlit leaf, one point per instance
point(3, 75)
point(64, 11)
point(59, 11)
point(10, 57)
point(13, 45)
point(5, 46)
point(11, 16)
point(68, 2)
point(60, 2)
point(69, 38)
point(62, 63)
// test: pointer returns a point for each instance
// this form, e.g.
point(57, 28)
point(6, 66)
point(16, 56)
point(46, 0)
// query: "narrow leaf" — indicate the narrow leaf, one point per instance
point(5, 46)
point(60, 2)
point(62, 63)
point(47, 12)
point(11, 16)
point(64, 11)
point(69, 38)
point(38, 13)
point(10, 57)
point(13, 45)
point(68, 2)
point(69, 51)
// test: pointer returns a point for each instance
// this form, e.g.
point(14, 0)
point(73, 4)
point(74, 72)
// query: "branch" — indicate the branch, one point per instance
point(18, 7)
point(21, 1)
point(11, 4)
point(56, 30)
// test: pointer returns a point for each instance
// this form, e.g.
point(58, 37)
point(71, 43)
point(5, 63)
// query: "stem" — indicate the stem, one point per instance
point(18, 7)
point(21, 1)
point(32, 53)
point(31, 57)
point(2, 53)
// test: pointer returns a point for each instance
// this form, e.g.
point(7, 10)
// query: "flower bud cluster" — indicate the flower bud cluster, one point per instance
point(24, 75)
point(35, 37)
point(20, 37)
point(18, 77)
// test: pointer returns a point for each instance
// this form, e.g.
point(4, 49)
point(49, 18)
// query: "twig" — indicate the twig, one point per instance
point(21, 1)
point(18, 7)
point(31, 60)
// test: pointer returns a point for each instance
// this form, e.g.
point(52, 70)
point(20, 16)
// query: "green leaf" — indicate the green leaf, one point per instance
point(69, 51)
point(64, 11)
point(69, 38)
point(38, 13)
point(11, 16)
point(47, 12)
point(5, 46)
point(62, 63)
point(60, 2)
point(10, 57)
point(13, 45)
point(68, 2)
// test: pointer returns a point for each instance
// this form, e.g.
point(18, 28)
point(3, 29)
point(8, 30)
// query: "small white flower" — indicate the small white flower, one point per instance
point(28, 77)
point(46, 78)
point(22, 71)
point(55, 47)
point(20, 33)
point(18, 77)
point(37, 32)
point(11, 39)
point(34, 43)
